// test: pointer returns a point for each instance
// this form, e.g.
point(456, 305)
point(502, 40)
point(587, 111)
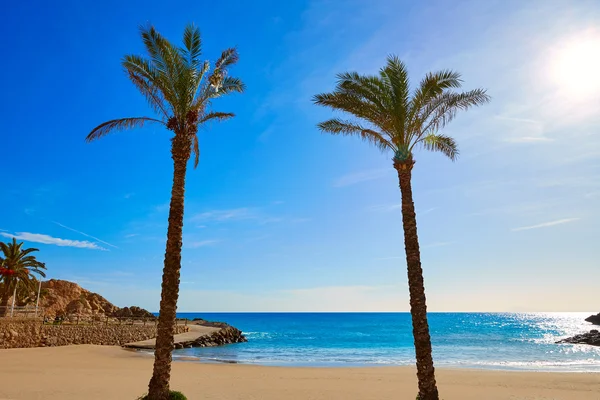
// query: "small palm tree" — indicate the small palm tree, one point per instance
point(392, 118)
point(18, 267)
point(180, 87)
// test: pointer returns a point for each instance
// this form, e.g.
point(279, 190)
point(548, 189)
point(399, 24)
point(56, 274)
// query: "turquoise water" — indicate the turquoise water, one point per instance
point(518, 341)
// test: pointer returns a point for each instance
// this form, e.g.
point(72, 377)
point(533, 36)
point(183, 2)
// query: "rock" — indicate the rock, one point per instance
point(64, 298)
point(591, 338)
point(135, 312)
point(594, 319)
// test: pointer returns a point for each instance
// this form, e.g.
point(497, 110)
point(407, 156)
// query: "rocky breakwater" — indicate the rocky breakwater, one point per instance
point(225, 335)
point(594, 319)
point(591, 338)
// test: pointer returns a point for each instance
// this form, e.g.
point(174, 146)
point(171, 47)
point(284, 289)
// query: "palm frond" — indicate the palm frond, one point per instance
point(395, 74)
point(169, 62)
point(196, 150)
point(338, 127)
point(143, 68)
point(441, 143)
point(355, 104)
point(213, 115)
point(119, 125)
point(371, 88)
point(152, 94)
point(439, 112)
point(228, 57)
point(193, 44)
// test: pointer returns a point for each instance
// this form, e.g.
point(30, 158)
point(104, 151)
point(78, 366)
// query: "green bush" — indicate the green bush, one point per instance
point(173, 396)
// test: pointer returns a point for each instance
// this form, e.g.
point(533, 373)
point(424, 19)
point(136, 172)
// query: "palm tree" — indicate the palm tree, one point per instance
point(18, 268)
point(392, 118)
point(179, 87)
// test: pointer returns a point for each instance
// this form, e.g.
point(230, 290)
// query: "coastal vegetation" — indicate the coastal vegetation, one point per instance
point(17, 269)
point(388, 115)
point(180, 87)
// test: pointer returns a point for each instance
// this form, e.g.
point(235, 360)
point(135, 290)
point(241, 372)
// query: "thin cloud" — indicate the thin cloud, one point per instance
point(85, 234)
point(47, 239)
point(202, 243)
point(389, 258)
point(530, 139)
point(546, 224)
point(226, 215)
point(359, 177)
point(132, 235)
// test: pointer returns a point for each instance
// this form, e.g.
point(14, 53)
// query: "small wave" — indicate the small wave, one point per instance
point(258, 335)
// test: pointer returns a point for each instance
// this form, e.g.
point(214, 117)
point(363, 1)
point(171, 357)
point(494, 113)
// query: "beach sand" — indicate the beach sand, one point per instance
point(103, 372)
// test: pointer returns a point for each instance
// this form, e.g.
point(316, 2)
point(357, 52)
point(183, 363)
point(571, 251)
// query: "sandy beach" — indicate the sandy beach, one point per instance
point(103, 372)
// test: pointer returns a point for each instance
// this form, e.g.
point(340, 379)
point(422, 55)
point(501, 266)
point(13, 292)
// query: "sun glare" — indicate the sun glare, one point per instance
point(576, 67)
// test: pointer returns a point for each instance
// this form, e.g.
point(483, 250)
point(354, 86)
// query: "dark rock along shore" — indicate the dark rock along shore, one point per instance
point(591, 338)
point(594, 319)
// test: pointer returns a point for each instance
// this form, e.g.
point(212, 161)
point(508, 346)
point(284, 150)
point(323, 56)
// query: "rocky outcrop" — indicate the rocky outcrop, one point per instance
point(591, 338)
point(212, 324)
point(64, 298)
point(227, 335)
point(133, 312)
point(594, 319)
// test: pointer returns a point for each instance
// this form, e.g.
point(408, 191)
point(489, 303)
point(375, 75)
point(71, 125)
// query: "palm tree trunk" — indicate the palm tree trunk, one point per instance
point(418, 307)
point(158, 389)
point(4, 301)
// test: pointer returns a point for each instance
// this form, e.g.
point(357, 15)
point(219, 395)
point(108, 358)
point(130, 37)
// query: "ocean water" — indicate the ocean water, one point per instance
point(515, 341)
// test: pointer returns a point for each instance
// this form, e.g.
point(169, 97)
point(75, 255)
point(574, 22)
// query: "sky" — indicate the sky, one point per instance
point(280, 217)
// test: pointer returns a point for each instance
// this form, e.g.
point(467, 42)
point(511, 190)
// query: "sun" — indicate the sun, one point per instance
point(575, 67)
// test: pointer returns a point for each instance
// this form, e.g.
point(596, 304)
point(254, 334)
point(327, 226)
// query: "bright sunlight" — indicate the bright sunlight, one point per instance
point(576, 66)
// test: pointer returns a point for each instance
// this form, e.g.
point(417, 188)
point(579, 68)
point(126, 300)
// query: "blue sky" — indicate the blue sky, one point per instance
point(280, 217)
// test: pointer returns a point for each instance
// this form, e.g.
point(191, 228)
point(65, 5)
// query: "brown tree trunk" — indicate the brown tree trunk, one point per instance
point(4, 302)
point(158, 389)
point(418, 307)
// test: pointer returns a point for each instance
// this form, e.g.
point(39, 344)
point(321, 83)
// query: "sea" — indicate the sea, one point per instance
point(501, 341)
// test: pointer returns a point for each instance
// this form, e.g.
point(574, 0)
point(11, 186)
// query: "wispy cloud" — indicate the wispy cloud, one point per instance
point(530, 139)
point(85, 234)
point(47, 239)
point(358, 177)
point(128, 195)
point(238, 214)
point(546, 224)
point(132, 235)
point(389, 258)
point(226, 215)
point(201, 243)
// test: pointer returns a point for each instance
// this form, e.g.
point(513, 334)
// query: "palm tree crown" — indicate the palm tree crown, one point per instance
point(21, 265)
point(396, 119)
point(178, 85)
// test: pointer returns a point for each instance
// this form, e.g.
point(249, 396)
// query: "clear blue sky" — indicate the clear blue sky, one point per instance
point(280, 217)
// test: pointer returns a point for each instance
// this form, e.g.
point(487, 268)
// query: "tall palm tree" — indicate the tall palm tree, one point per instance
point(18, 267)
point(392, 118)
point(179, 87)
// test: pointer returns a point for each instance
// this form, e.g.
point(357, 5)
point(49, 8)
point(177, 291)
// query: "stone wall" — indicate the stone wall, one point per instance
point(15, 333)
